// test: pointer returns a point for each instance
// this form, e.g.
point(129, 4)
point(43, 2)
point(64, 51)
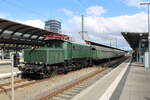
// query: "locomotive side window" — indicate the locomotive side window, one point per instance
point(54, 44)
point(93, 49)
point(73, 47)
point(49, 45)
point(58, 45)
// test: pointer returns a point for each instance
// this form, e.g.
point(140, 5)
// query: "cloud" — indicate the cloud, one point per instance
point(35, 23)
point(102, 29)
point(95, 10)
point(67, 12)
point(135, 3)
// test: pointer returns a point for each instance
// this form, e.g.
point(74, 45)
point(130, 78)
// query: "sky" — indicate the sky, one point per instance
point(104, 20)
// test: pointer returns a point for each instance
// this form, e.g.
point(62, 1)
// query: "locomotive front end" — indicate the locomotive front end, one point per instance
point(34, 61)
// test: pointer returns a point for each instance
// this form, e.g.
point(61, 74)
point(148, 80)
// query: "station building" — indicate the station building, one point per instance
point(138, 41)
point(53, 26)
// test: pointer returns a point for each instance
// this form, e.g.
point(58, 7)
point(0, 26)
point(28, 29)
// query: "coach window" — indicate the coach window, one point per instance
point(93, 49)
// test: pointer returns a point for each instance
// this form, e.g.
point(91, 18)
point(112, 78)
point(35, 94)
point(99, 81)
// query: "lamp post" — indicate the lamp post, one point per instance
point(148, 3)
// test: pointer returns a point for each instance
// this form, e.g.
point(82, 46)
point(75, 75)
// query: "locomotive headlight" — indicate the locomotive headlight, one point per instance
point(41, 62)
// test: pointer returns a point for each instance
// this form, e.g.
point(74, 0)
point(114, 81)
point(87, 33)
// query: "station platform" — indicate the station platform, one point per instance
point(137, 85)
point(129, 81)
point(7, 61)
point(7, 69)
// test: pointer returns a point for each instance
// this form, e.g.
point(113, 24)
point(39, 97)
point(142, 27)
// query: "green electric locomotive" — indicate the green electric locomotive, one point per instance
point(57, 56)
point(60, 56)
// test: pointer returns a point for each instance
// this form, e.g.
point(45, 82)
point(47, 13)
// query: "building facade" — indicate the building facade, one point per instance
point(53, 26)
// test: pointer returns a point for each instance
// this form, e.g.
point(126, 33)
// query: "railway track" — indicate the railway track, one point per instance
point(70, 93)
point(6, 87)
point(64, 92)
point(69, 90)
point(20, 83)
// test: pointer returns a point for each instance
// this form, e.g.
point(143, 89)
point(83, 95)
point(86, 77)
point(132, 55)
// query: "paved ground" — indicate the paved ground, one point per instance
point(137, 85)
point(98, 89)
point(134, 85)
point(7, 69)
point(5, 66)
point(7, 61)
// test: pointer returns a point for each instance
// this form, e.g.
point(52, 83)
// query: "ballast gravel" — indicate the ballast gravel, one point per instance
point(29, 92)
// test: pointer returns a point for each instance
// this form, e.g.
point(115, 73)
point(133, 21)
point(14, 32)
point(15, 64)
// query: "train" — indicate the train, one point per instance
point(61, 56)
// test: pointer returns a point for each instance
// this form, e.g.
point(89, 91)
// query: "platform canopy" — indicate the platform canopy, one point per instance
point(17, 35)
point(133, 38)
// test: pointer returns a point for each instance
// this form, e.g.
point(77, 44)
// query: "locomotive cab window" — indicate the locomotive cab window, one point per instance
point(93, 49)
point(54, 43)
